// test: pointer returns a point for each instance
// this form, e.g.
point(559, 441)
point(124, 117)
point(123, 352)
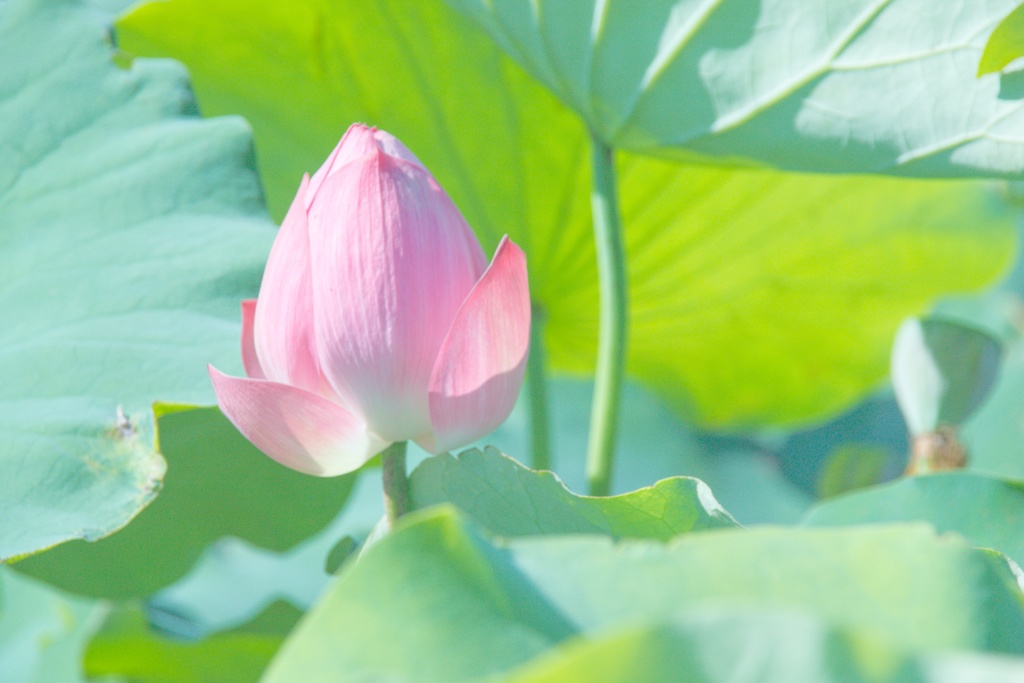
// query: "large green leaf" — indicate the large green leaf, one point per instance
point(842, 86)
point(413, 602)
point(511, 500)
point(129, 230)
point(756, 297)
point(988, 511)
point(217, 484)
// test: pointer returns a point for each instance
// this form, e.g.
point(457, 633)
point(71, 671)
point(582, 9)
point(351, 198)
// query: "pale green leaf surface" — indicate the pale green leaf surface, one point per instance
point(510, 500)
point(862, 86)
point(43, 633)
point(430, 603)
point(726, 646)
point(1005, 44)
point(757, 297)
point(217, 484)
point(435, 584)
point(986, 510)
point(129, 230)
point(721, 646)
point(994, 435)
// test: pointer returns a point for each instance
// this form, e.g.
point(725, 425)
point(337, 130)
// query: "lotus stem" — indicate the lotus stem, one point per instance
point(396, 482)
point(612, 331)
point(537, 388)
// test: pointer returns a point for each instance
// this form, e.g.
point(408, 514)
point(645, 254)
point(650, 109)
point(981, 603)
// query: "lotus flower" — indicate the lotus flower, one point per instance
point(378, 320)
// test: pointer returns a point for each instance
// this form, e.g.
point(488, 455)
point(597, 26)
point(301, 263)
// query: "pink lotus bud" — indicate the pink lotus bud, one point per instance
point(378, 320)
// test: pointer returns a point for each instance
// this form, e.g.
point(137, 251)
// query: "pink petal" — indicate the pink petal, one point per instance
point(283, 324)
point(250, 361)
point(393, 260)
point(480, 367)
point(357, 142)
point(300, 430)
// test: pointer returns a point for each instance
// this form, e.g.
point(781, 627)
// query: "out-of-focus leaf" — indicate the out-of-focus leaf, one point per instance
point(233, 580)
point(129, 230)
point(452, 606)
point(217, 485)
point(986, 510)
point(511, 500)
point(994, 436)
point(942, 371)
point(851, 466)
point(435, 585)
point(721, 646)
point(725, 646)
point(756, 296)
point(1005, 44)
point(127, 648)
point(43, 632)
point(851, 86)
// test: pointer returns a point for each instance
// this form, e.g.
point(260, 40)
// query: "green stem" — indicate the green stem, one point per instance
point(396, 483)
point(612, 332)
point(537, 388)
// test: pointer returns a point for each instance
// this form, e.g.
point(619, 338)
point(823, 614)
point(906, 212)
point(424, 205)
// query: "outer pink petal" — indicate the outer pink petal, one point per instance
point(480, 367)
point(393, 260)
point(250, 361)
point(298, 429)
point(283, 324)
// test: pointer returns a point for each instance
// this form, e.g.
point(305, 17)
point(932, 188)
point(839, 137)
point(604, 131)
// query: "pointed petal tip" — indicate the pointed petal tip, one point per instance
point(480, 368)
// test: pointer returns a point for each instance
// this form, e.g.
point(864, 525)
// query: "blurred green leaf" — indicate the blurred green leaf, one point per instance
point(43, 632)
point(432, 602)
point(126, 647)
point(508, 499)
point(725, 646)
point(407, 609)
point(994, 435)
point(217, 484)
point(721, 646)
point(942, 371)
point(1005, 44)
point(986, 510)
point(130, 229)
point(233, 581)
point(851, 466)
point(849, 86)
point(756, 296)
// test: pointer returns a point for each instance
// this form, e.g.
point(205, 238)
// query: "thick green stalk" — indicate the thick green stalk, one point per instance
point(612, 331)
point(396, 483)
point(537, 392)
